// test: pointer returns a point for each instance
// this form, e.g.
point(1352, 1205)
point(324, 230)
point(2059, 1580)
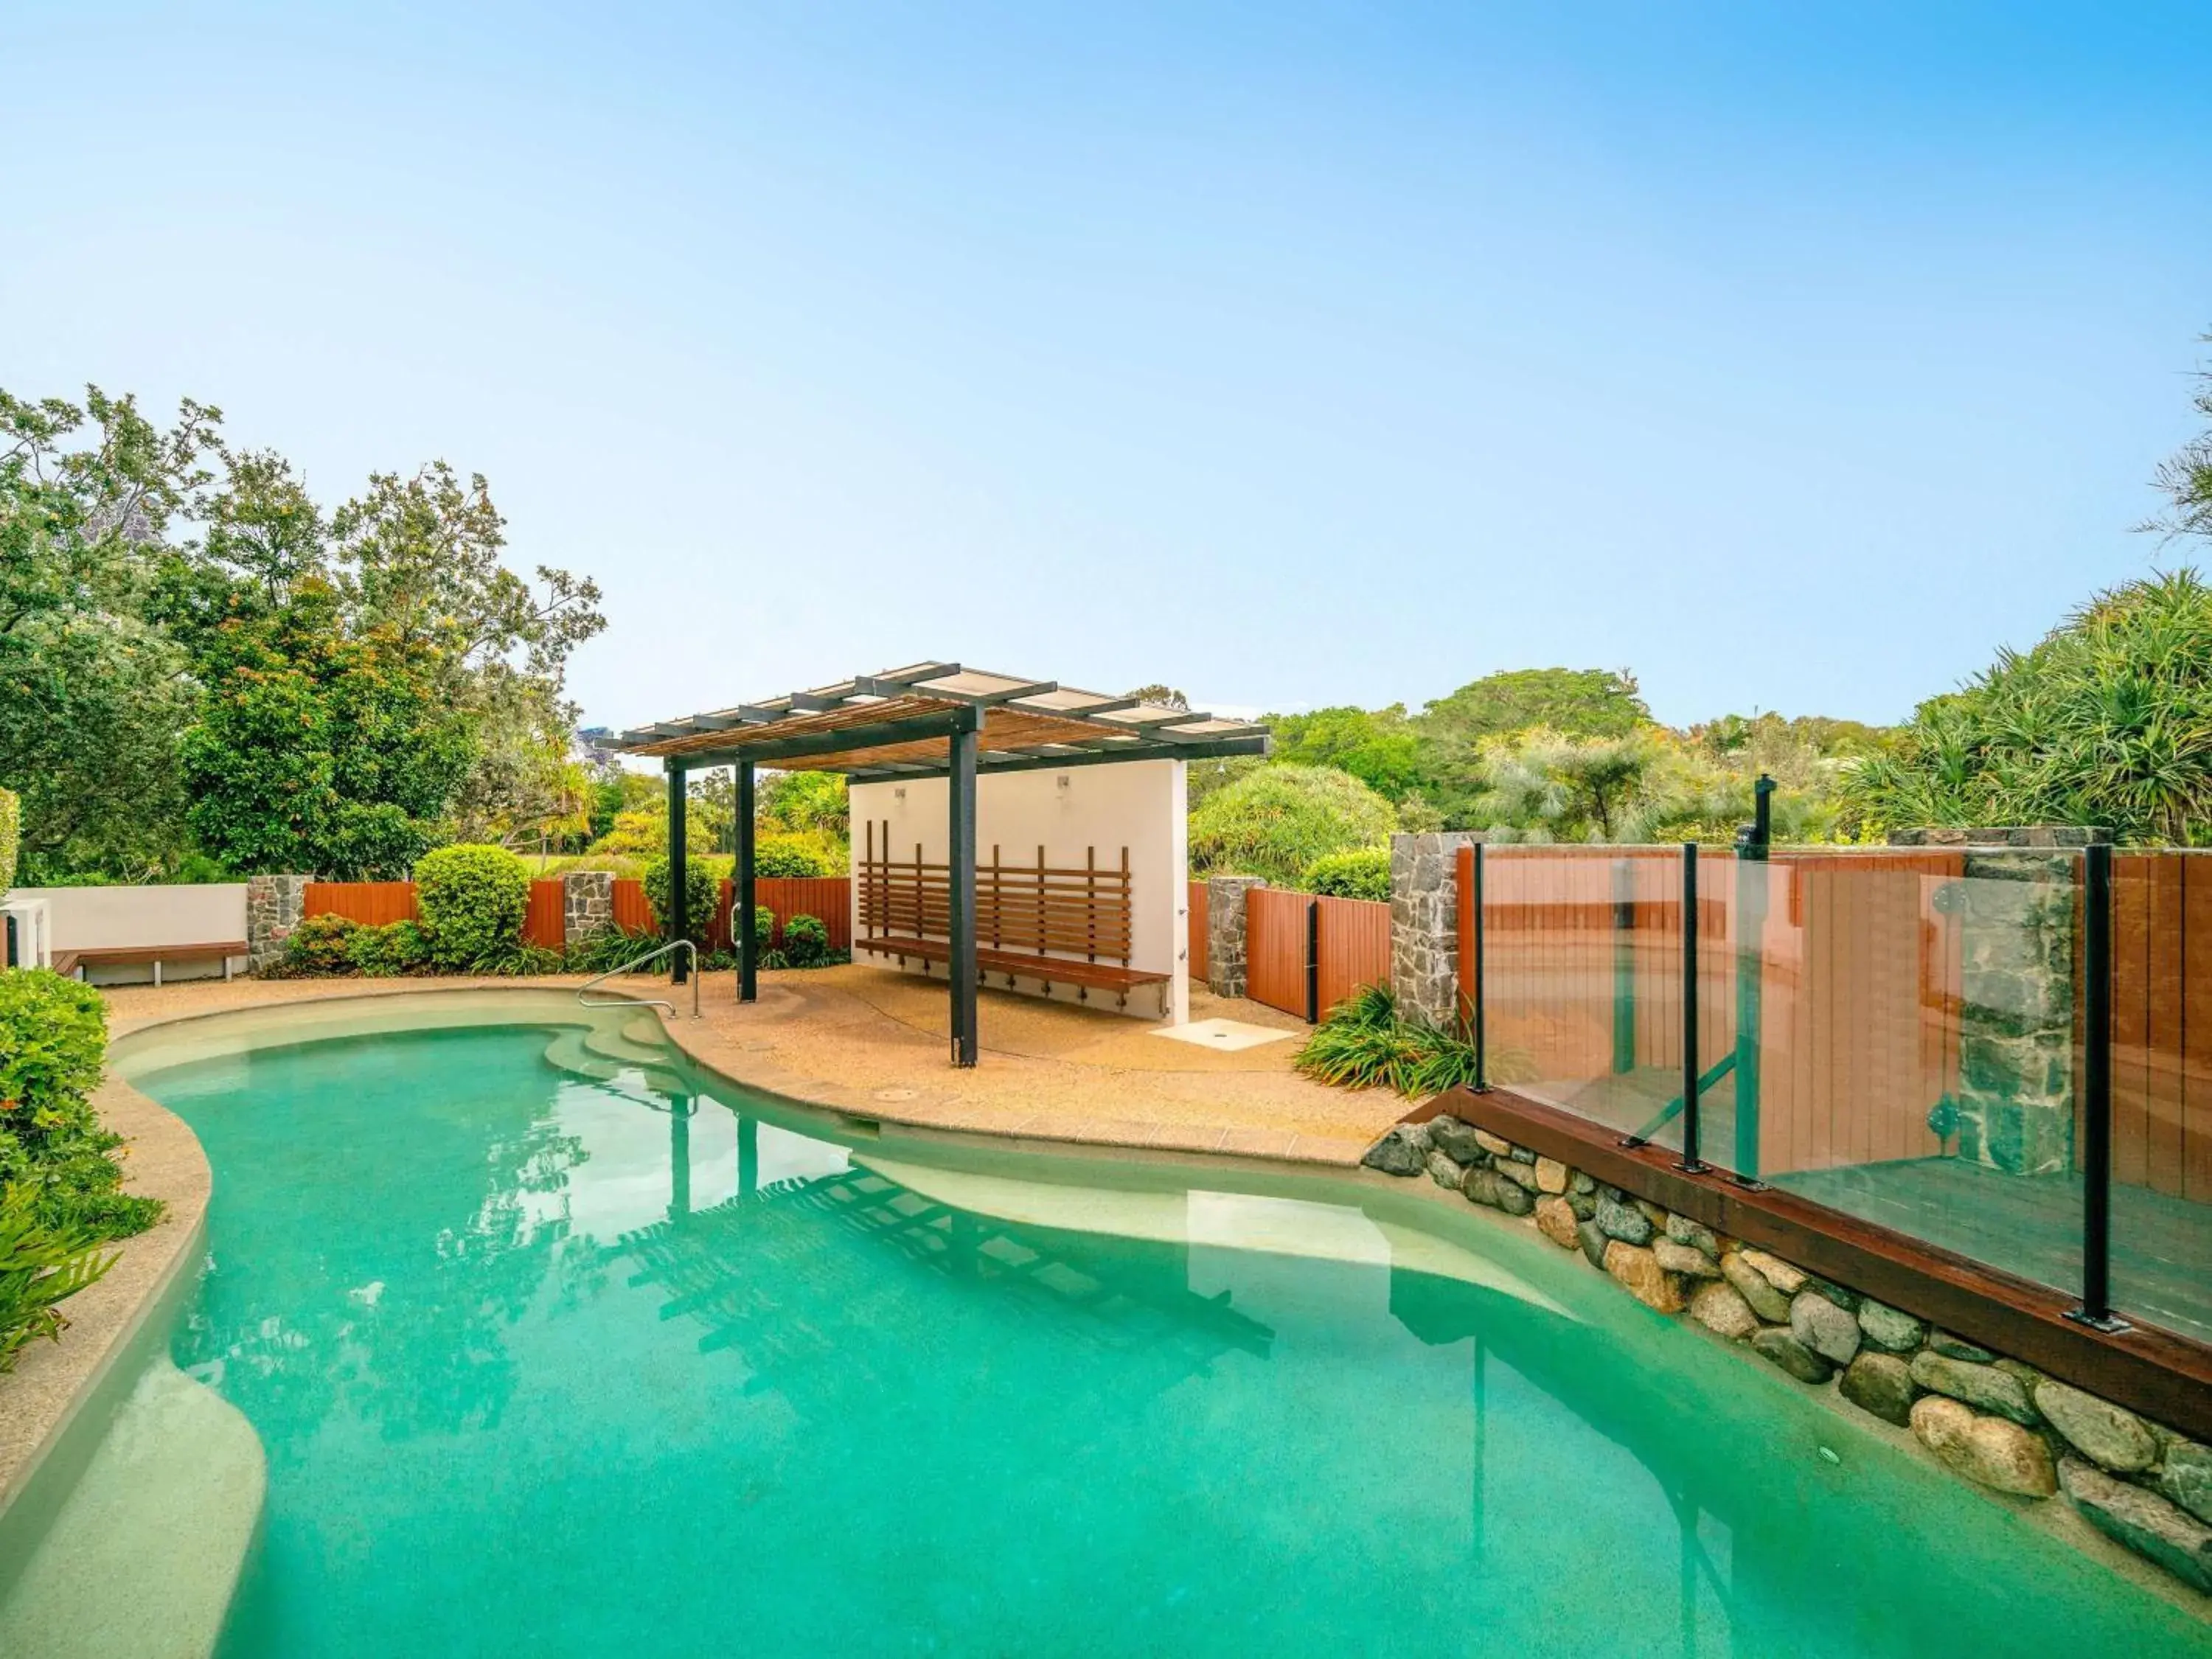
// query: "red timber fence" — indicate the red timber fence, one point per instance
point(1200, 960)
point(1304, 953)
point(374, 903)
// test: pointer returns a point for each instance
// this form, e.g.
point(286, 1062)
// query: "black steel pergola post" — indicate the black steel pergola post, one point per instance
point(960, 871)
point(679, 919)
point(741, 889)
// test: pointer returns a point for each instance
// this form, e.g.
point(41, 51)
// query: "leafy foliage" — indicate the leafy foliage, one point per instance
point(41, 1266)
point(53, 1038)
point(1276, 821)
point(11, 811)
point(793, 855)
point(1362, 873)
point(604, 949)
point(397, 948)
point(473, 900)
point(322, 945)
point(2108, 721)
point(702, 897)
point(2185, 478)
point(805, 940)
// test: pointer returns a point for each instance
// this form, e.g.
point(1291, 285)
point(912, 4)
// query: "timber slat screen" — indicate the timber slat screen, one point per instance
point(1068, 914)
point(1306, 954)
point(1896, 1033)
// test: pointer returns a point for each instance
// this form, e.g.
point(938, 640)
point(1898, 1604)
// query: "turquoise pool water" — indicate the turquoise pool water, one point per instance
point(580, 1355)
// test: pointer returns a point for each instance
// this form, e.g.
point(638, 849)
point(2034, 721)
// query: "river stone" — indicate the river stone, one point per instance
point(1480, 1185)
point(1521, 1175)
point(1550, 1176)
point(1775, 1271)
point(1593, 1240)
point(1957, 1347)
point(1523, 1155)
point(1515, 1199)
point(1696, 1235)
point(1579, 1183)
point(1768, 1302)
point(1989, 1449)
point(2188, 1477)
point(1496, 1144)
point(1978, 1385)
point(1445, 1172)
point(1793, 1356)
point(1847, 1300)
point(2100, 1431)
point(1639, 1271)
point(1823, 1326)
point(1555, 1219)
point(1654, 1213)
point(1721, 1309)
point(1890, 1330)
point(1678, 1258)
point(2142, 1521)
point(1584, 1204)
point(1402, 1152)
point(1623, 1221)
point(1881, 1383)
point(1455, 1139)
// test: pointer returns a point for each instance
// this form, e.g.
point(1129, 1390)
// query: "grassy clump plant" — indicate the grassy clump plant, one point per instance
point(1368, 1042)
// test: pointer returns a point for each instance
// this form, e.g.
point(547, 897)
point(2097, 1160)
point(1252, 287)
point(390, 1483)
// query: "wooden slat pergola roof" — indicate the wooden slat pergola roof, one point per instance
point(897, 724)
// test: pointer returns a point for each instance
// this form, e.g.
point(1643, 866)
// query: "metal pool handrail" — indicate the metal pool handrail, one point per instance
point(653, 955)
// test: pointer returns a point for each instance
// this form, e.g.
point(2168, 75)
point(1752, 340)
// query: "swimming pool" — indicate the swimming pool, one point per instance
point(522, 1335)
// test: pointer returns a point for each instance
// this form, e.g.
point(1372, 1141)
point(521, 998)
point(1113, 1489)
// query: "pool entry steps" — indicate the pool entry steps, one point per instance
point(1992, 1420)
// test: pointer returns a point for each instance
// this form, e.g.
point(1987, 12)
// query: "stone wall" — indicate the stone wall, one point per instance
point(1225, 954)
point(274, 906)
point(2015, 915)
point(1985, 1417)
point(587, 902)
point(1425, 924)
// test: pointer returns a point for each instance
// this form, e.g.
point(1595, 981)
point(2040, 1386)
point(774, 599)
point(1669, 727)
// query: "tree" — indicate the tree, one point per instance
point(1576, 702)
point(1166, 696)
point(2108, 721)
point(2185, 478)
point(92, 697)
point(1382, 748)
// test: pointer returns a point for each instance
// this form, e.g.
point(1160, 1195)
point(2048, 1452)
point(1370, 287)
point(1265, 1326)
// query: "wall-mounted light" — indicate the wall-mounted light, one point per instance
point(1066, 781)
point(899, 793)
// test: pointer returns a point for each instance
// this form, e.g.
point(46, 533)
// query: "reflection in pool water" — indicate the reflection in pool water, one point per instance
point(555, 1347)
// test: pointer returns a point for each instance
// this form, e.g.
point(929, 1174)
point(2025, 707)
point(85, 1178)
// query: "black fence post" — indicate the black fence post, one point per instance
point(1313, 961)
point(1690, 1163)
point(2095, 1156)
point(1481, 1056)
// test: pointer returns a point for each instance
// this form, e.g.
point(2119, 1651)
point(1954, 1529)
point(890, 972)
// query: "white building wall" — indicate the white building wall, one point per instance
point(88, 918)
point(1139, 804)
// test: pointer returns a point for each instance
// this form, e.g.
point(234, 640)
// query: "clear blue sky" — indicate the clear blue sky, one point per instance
point(1793, 356)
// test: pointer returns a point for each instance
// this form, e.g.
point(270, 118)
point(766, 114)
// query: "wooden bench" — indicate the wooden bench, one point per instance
point(1024, 964)
point(106, 956)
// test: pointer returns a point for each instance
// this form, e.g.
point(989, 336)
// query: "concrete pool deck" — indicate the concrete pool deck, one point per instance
point(872, 1043)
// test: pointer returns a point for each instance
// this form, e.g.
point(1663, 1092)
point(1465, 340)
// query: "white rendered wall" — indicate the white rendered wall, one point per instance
point(89, 918)
point(1139, 804)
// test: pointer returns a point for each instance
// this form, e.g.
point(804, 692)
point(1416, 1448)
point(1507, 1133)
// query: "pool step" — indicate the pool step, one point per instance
point(574, 1052)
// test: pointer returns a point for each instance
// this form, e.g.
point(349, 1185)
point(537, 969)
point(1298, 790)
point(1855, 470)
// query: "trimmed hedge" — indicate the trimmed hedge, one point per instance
point(1363, 873)
point(703, 895)
point(473, 901)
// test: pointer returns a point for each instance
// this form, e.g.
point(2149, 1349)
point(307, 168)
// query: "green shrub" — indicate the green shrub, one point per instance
point(473, 900)
point(53, 1039)
point(790, 856)
point(703, 895)
point(11, 830)
point(396, 948)
point(1363, 873)
point(1276, 822)
point(322, 945)
point(41, 1266)
point(805, 940)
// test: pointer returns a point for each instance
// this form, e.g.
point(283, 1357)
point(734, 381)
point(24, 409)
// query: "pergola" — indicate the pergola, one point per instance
point(929, 719)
